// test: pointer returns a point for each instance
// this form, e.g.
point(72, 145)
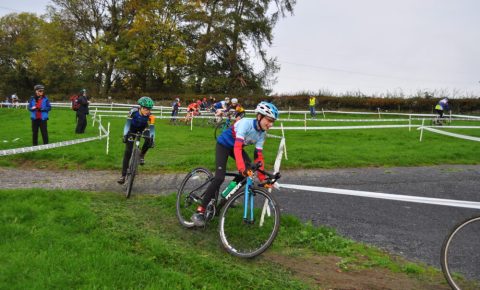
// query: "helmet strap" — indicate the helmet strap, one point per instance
point(260, 120)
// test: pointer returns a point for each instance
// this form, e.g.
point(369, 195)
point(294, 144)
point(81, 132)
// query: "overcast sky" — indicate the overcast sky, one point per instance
point(371, 46)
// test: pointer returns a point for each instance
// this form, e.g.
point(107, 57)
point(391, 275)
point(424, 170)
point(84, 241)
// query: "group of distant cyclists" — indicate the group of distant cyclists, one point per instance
point(224, 108)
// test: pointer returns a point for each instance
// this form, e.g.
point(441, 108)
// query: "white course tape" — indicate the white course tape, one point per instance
point(48, 146)
point(466, 137)
point(344, 127)
point(398, 197)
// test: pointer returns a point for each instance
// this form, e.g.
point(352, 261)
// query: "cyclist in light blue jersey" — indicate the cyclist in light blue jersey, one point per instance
point(245, 132)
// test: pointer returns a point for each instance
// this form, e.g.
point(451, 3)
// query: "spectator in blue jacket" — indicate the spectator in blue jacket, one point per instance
point(39, 106)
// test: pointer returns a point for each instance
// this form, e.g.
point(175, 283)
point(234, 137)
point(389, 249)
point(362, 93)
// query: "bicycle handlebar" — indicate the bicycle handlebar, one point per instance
point(272, 178)
point(141, 135)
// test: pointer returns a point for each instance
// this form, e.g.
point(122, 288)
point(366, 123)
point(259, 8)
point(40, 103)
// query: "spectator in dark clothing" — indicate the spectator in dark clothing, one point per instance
point(175, 107)
point(39, 106)
point(82, 112)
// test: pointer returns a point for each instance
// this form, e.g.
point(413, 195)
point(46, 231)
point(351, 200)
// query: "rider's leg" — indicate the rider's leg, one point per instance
point(146, 145)
point(221, 157)
point(126, 156)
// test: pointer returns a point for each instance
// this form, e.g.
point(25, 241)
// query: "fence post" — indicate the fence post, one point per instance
point(421, 131)
point(409, 123)
point(305, 122)
point(108, 136)
point(289, 108)
point(94, 115)
point(379, 116)
point(191, 123)
point(323, 112)
point(284, 142)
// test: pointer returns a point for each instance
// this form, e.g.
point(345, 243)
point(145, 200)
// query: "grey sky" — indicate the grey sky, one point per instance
point(379, 46)
point(371, 46)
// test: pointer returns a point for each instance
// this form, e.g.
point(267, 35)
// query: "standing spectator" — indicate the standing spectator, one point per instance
point(311, 103)
point(204, 104)
point(82, 112)
point(175, 107)
point(39, 106)
point(210, 102)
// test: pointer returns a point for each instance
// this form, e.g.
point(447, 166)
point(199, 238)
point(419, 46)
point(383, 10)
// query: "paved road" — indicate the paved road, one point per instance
point(413, 230)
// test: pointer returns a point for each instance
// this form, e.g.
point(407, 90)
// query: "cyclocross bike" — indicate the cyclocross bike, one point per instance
point(249, 215)
point(134, 161)
point(460, 257)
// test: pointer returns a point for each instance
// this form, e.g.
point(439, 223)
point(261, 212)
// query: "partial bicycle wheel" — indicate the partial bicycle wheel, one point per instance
point(190, 194)
point(251, 237)
point(132, 171)
point(460, 256)
point(219, 129)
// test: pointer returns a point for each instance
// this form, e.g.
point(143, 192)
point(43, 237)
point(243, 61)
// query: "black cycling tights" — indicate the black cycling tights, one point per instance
point(221, 157)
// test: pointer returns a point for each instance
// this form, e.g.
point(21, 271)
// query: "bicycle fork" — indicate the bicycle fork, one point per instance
point(248, 199)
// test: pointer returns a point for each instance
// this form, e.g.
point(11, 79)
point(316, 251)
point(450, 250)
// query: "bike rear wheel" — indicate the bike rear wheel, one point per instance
point(460, 257)
point(132, 171)
point(190, 195)
point(251, 237)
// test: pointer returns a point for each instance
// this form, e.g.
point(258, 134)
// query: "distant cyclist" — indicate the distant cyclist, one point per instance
point(236, 109)
point(245, 132)
point(221, 107)
point(441, 107)
point(139, 120)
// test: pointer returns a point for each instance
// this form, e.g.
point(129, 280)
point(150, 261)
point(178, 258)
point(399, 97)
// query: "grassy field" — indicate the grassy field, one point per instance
point(72, 239)
point(178, 149)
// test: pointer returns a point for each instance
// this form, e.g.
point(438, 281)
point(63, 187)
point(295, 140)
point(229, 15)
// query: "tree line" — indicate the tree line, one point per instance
point(134, 47)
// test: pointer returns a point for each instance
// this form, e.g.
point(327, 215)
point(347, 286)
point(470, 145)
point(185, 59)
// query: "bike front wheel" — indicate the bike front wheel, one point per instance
point(190, 195)
point(248, 238)
point(219, 129)
point(132, 171)
point(460, 255)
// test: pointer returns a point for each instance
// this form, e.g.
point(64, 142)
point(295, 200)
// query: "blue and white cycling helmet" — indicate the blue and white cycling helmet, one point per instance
point(267, 109)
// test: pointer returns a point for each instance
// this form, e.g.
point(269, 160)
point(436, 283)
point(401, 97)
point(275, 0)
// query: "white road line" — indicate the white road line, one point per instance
point(399, 197)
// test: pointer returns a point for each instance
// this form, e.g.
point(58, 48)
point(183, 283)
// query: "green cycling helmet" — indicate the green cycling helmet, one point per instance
point(146, 102)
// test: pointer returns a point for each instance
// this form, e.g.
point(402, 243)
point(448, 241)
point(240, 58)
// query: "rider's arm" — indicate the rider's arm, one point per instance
point(151, 126)
point(258, 155)
point(238, 153)
point(126, 128)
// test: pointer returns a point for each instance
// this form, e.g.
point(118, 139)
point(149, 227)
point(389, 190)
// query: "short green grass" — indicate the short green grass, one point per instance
point(179, 149)
point(71, 239)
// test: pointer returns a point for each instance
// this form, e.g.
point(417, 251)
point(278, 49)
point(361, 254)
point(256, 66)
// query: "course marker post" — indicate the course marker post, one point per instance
point(108, 136)
point(421, 131)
